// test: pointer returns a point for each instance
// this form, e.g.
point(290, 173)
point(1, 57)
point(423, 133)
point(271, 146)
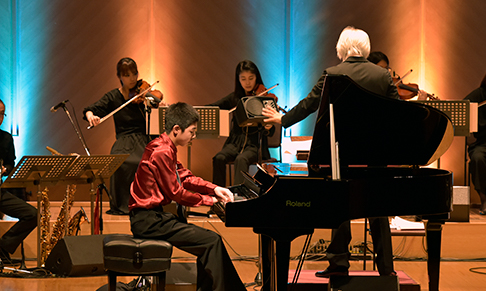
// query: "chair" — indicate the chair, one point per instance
point(125, 255)
point(274, 141)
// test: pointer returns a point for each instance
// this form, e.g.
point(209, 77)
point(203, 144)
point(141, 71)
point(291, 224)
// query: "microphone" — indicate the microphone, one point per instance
point(62, 104)
point(152, 98)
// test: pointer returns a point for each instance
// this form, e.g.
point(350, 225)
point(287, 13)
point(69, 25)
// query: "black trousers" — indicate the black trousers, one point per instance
point(477, 166)
point(215, 270)
point(134, 145)
point(27, 215)
point(338, 251)
point(242, 160)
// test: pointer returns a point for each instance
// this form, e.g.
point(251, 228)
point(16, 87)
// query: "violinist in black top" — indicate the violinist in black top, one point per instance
point(242, 144)
point(130, 127)
point(477, 146)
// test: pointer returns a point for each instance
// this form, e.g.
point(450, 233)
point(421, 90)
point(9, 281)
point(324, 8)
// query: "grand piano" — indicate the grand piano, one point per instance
point(382, 145)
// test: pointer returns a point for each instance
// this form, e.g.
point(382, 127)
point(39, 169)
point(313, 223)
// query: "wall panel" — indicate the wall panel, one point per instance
point(60, 50)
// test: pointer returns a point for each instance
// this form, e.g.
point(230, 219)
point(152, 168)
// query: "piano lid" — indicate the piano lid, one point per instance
point(375, 130)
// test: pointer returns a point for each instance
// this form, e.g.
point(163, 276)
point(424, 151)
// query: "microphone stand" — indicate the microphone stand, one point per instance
point(76, 129)
point(2, 267)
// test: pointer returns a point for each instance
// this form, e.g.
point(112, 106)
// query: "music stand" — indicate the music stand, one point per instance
point(458, 112)
point(54, 170)
point(461, 115)
point(86, 169)
point(207, 127)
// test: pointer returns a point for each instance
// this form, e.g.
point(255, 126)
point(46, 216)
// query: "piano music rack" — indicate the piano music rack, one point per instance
point(458, 112)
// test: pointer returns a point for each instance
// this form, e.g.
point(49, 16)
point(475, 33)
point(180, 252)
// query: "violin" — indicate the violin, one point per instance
point(409, 90)
point(140, 96)
point(155, 96)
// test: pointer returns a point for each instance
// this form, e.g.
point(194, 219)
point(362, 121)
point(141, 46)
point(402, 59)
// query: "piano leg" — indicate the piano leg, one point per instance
point(434, 237)
point(266, 261)
point(279, 261)
point(282, 265)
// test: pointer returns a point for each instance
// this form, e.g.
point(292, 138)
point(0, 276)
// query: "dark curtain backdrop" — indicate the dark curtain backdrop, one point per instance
point(53, 50)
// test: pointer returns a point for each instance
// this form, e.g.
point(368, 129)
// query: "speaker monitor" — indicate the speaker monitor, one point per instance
point(76, 256)
point(249, 110)
point(461, 199)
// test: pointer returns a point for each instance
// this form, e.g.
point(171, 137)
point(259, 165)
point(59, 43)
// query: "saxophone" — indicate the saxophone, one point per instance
point(75, 222)
point(60, 226)
point(44, 226)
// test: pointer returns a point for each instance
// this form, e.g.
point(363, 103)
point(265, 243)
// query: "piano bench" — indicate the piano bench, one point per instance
point(125, 255)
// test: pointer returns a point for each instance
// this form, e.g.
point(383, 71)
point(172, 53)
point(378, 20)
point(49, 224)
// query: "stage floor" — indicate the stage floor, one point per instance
point(461, 268)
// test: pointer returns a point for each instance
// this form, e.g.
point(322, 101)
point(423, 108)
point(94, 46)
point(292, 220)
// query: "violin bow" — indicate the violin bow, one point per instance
point(123, 105)
point(260, 94)
point(403, 77)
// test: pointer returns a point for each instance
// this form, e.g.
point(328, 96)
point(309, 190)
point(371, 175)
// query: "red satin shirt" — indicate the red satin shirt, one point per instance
point(156, 182)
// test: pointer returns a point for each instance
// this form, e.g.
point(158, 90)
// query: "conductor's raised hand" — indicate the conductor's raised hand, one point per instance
point(273, 115)
point(223, 194)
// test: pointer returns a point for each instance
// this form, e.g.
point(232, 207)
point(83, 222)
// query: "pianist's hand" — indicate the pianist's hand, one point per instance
point(223, 194)
point(273, 115)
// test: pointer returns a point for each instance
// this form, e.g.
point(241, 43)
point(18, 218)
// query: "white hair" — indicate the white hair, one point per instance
point(353, 42)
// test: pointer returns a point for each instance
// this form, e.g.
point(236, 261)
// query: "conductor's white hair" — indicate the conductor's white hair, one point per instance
point(353, 42)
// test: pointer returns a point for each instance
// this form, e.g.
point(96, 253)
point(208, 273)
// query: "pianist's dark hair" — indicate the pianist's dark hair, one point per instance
point(249, 66)
point(181, 114)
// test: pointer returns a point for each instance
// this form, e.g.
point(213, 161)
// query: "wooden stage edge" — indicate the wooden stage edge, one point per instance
point(462, 251)
point(309, 282)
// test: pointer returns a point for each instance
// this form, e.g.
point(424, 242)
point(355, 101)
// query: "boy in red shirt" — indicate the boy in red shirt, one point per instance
point(160, 179)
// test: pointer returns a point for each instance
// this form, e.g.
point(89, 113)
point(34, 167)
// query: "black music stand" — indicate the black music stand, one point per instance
point(459, 113)
point(55, 170)
point(207, 127)
point(86, 169)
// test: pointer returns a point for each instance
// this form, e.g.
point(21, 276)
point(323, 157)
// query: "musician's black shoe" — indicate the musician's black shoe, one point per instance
point(340, 271)
point(116, 212)
point(5, 258)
